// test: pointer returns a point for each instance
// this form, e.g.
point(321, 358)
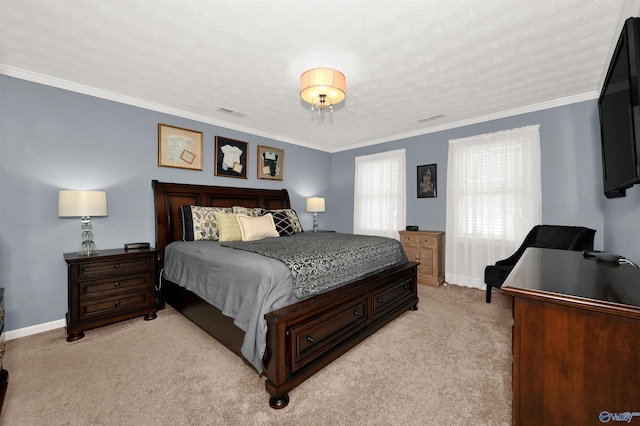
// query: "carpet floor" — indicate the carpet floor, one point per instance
point(449, 363)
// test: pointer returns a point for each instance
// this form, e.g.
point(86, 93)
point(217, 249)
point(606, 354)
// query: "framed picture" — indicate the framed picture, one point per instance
point(231, 158)
point(270, 163)
point(428, 181)
point(178, 147)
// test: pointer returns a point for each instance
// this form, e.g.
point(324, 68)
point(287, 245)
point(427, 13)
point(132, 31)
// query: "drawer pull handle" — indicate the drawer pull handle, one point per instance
point(310, 339)
point(117, 266)
point(379, 300)
point(116, 284)
point(356, 313)
point(405, 286)
point(117, 304)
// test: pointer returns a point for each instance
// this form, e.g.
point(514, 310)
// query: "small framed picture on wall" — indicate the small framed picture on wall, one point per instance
point(178, 147)
point(270, 163)
point(231, 158)
point(428, 181)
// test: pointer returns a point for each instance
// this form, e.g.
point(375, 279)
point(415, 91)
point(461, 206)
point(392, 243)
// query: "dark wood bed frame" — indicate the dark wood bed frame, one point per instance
point(304, 337)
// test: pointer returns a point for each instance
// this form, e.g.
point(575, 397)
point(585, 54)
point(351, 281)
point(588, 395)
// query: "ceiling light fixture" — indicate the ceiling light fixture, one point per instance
point(323, 88)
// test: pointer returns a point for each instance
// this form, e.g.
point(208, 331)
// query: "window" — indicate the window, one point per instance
point(493, 200)
point(380, 194)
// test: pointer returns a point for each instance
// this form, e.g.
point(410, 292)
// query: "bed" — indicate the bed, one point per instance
point(303, 337)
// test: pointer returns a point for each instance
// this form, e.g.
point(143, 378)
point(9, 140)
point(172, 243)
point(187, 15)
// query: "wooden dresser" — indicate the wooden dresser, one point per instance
point(4, 374)
point(110, 286)
point(576, 325)
point(425, 247)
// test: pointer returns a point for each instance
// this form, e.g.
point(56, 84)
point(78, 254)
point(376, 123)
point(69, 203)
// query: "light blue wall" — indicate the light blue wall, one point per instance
point(571, 169)
point(53, 139)
point(622, 225)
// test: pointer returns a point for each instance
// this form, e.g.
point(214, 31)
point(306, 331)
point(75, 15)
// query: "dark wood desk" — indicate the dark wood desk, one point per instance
point(576, 334)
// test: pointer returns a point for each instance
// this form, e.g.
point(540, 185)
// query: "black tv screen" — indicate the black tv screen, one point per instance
point(619, 110)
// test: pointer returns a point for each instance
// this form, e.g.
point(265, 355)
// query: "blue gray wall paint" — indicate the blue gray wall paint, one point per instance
point(571, 169)
point(53, 139)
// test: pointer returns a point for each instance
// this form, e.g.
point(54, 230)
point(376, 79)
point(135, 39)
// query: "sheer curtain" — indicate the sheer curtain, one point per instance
point(380, 194)
point(494, 198)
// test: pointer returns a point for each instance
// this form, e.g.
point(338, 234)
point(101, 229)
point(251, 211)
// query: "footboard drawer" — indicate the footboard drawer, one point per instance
point(391, 297)
point(311, 339)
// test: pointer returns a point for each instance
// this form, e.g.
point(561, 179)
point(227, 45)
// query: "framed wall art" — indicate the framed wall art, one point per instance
point(178, 147)
point(428, 181)
point(270, 163)
point(232, 157)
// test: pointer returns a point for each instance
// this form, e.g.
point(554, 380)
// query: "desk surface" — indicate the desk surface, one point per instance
point(569, 278)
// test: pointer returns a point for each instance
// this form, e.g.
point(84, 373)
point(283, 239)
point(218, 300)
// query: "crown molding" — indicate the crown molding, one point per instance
point(481, 119)
point(47, 80)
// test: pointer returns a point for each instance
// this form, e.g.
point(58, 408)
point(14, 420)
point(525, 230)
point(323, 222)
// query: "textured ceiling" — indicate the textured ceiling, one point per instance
point(405, 61)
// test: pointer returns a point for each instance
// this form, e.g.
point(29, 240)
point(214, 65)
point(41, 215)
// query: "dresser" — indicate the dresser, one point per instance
point(576, 324)
point(4, 374)
point(110, 286)
point(425, 247)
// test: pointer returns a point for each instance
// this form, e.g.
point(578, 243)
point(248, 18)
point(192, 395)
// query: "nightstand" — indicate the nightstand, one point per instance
point(427, 248)
point(108, 287)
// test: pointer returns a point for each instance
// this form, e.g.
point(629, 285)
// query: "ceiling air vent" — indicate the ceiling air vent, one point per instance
point(435, 117)
point(230, 112)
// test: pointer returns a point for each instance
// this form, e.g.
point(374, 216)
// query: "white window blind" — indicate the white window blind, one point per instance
point(380, 194)
point(493, 200)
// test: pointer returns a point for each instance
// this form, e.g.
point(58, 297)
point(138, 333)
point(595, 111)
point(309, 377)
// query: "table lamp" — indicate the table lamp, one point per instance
point(83, 204)
point(315, 205)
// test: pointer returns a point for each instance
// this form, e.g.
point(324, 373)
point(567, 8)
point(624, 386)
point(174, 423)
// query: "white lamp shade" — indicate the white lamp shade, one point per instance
point(323, 81)
point(315, 204)
point(78, 203)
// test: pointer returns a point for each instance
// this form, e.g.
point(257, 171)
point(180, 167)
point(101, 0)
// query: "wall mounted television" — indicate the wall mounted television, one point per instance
point(619, 110)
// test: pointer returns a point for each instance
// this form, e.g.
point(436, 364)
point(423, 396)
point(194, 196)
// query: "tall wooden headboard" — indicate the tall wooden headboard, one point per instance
point(168, 198)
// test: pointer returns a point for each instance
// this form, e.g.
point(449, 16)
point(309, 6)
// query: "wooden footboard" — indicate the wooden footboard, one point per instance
point(305, 337)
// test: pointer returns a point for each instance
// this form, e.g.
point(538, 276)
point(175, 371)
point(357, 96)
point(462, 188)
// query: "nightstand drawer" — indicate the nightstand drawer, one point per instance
point(90, 270)
point(113, 305)
point(113, 286)
point(409, 240)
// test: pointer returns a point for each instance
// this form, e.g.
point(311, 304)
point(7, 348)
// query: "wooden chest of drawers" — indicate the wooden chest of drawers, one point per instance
point(110, 286)
point(425, 247)
point(4, 374)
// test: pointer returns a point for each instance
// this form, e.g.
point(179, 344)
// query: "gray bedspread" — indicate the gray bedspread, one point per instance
point(245, 293)
point(245, 285)
point(320, 261)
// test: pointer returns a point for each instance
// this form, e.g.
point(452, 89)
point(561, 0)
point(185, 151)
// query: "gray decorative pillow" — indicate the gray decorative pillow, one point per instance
point(248, 211)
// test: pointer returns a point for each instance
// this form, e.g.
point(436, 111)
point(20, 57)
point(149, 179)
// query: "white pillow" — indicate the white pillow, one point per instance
point(257, 228)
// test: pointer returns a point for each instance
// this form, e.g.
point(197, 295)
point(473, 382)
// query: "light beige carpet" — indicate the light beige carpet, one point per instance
point(449, 363)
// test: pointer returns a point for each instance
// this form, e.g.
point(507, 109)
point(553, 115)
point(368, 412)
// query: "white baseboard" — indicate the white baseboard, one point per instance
point(35, 329)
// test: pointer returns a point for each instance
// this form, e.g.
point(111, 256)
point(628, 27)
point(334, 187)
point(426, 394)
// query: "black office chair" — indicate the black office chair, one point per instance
point(575, 238)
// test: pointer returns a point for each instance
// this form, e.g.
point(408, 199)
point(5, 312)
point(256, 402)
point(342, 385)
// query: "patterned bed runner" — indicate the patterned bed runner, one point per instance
point(324, 260)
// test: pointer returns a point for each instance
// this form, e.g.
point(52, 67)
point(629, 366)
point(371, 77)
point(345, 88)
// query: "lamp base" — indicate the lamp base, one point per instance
point(88, 247)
